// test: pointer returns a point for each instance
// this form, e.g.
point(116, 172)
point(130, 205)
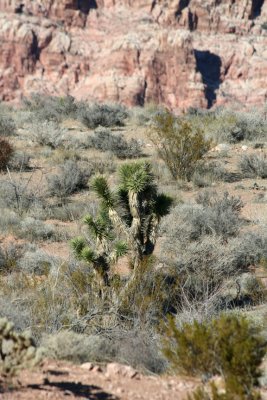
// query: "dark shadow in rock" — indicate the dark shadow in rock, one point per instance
point(256, 8)
point(89, 392)
point(209, 65)
point(86, 5)
point(182, 4)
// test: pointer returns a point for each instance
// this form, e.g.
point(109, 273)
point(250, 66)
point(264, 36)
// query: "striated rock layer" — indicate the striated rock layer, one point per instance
point(180, 53)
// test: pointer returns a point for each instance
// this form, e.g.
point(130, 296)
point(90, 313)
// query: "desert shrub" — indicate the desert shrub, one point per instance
point(207, 262)
point(9, 221)
point(131, 348)
point(225, 125)
point(36, 261)
point(209, 173)
point(48, 133)
point(19, 162)
point(228, 345)
point(6, 152)
point(179, 144)
point(105, 115)
point(213, 392)
point(143, 116)
point(70, 179)
point(50, 108)
point(33, 229)
point(104, 140)
point(252, 290)
point(69, 211)
point(213, 215)
point(7, 126)
point(78, 348)
point(17, 349)
point(15, 311)
point(254, 166)
point(19, 195)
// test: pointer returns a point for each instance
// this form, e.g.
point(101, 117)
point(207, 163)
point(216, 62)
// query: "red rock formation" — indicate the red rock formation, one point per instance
point(179, 53)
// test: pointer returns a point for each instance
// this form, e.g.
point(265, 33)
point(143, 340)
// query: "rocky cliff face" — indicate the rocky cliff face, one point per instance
point(179, 53)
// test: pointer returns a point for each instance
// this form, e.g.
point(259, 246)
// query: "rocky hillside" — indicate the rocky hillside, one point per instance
point(180, 53)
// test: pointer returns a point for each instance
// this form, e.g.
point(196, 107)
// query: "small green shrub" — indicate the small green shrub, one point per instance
point(229, 346)
point(6, 152)
point(254, 166)
point(179, 144)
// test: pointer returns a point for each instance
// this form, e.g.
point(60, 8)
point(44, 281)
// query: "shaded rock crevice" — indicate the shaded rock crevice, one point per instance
point(256, 8)
point(209, 66)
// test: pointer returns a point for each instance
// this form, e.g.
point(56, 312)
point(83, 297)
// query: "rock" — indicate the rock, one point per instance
point(222, 147)
point(121, 370)
point(97, 368)
point(244, 148)
point(179, 54)
point(88, 366)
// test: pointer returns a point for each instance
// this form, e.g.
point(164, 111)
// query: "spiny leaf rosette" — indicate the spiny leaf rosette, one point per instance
point(132, 212)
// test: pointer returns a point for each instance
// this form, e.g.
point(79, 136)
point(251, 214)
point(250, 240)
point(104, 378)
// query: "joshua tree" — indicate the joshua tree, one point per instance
point(105, 252)
point(132, 212)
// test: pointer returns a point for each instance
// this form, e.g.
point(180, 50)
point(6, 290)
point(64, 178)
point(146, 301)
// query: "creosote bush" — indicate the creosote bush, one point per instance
point(6, 152)
point(180, 145)
point(228, 345)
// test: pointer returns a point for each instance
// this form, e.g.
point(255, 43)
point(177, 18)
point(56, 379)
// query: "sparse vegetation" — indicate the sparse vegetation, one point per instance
point(140, 256)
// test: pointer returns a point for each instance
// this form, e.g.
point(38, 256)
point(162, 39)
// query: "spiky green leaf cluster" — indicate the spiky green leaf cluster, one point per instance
point(100, 227)
point(136, 177)
point(100, 186)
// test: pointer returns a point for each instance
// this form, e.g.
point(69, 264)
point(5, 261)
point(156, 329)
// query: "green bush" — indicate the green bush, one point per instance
point(179, 144)
point(229, 346)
